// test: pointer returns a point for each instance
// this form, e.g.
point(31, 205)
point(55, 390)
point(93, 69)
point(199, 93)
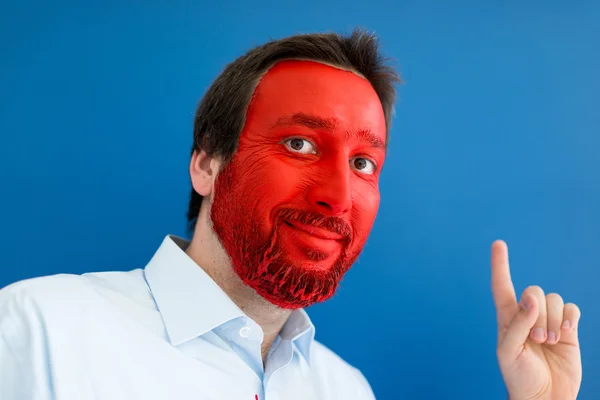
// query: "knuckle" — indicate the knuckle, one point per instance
point(535, 290)
point(573, 309)
point(554, 298)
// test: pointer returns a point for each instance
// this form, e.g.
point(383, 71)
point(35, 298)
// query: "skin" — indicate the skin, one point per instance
point(303, 213)
point(538, 345)
point(304, 222)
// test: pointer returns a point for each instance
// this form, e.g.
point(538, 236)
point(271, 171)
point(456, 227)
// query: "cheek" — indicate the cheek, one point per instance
point(366, 204)
point(266, 182)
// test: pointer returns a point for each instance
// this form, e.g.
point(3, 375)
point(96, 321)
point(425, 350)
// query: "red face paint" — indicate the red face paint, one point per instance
point(296, 203)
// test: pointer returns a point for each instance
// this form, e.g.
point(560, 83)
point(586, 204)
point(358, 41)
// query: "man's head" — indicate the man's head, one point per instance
point(297, 129)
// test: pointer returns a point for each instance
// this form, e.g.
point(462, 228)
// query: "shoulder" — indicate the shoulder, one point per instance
point(26, 294)
point(64, 296)
point(339, 374)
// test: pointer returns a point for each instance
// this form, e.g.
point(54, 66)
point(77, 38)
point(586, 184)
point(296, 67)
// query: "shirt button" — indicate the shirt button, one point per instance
point(245, 332)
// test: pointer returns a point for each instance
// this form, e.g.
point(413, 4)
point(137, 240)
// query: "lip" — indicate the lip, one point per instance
point(314, 231)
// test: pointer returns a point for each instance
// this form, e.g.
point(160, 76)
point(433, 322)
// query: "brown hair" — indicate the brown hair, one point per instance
point(221, 113)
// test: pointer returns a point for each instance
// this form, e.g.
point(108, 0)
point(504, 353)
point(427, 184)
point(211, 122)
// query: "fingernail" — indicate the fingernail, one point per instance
point(526, 304)
point(566, 324)
point(539, 334)
point(551, 337)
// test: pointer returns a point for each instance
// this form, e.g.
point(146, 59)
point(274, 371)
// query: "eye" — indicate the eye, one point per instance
point(363, 165)
point(299, 145)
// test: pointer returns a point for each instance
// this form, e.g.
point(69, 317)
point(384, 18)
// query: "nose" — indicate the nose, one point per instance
point(330, 194)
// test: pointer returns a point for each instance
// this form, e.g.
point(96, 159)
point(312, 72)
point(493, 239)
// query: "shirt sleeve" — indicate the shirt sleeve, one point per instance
point(23, 374)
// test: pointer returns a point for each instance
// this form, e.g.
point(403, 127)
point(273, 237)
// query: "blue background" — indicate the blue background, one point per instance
point(497, 135)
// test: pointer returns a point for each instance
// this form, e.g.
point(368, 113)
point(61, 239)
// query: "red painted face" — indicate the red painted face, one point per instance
point(295, 205)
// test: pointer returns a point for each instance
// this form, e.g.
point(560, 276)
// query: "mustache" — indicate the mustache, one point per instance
point(334, 224)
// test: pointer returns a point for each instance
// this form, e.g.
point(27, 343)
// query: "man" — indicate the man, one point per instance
point(289, 142)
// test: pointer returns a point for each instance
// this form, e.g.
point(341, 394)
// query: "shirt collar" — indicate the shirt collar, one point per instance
point(192, 304)
point(300, 331)
point(188, 299)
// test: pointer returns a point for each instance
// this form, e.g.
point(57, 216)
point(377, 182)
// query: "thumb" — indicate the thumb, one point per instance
point(519, 328)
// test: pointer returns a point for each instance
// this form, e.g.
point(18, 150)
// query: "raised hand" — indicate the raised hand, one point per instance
point(538, 346)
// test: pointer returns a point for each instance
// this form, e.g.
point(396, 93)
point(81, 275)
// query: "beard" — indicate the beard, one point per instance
point(261, 261)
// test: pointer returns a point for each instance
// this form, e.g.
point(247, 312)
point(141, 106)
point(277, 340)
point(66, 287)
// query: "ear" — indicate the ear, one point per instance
point(203, 171)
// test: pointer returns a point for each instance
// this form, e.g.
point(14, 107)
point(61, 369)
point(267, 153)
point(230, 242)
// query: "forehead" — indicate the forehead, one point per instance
point(307, 87)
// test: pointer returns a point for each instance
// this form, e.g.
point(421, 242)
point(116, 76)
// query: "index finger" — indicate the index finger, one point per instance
point(503, 289)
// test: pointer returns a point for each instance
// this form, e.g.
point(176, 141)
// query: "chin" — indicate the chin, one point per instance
point(315, 266)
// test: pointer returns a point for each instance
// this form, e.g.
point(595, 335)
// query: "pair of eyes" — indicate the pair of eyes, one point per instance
point(303, 146)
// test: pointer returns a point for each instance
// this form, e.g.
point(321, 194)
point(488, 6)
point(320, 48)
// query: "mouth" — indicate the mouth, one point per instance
point(315, 231)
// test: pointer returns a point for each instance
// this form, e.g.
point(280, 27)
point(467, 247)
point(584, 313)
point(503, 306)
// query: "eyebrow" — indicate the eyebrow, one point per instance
point(367, 136)
point(310, 121)
point(329, 124)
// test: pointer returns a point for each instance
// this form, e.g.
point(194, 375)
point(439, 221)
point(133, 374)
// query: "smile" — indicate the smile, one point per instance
point(315, 231)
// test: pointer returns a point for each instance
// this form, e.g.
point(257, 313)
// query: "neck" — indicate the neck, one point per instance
point(207, 252)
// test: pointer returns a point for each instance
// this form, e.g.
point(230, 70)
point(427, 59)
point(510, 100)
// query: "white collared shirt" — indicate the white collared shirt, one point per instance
point(167, 331)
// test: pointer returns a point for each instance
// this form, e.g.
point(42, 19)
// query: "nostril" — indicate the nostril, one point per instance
point(323, 204)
